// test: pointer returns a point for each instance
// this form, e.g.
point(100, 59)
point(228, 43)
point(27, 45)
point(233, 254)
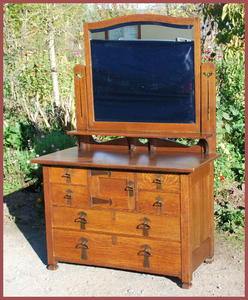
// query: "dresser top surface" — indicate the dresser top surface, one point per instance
point(169, 161)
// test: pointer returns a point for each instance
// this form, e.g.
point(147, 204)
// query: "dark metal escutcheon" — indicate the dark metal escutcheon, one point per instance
point(81, 219)
point(146, 254)
point(101, 201)
point(130, 188)
point(84, 247)
point(67, 175)
point(100, 172)
point(158, 182)
point(144, 226)
point(68, 196)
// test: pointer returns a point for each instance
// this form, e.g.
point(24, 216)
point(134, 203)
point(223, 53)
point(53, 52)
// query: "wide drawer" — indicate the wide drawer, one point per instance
point(158, 182)
point(158, 203)
point(69, 195)
point(163, 227)
point(115, 251)
point(68, 176)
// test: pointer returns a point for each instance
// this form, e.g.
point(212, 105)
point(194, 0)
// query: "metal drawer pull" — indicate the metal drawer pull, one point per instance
point(83, 248)
point(130, 188)
point(81, 219)
point(144, 226)
point(157, 181)
point(159, 203)
point(68, 196)
point(101, 201)
point(146, 254)
point(67, 175)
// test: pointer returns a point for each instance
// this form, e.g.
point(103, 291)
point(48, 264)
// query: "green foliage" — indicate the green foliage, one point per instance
point(17, 169)
point(12, 135)
point(52, 141)
point(229, 219)
point(230, 117)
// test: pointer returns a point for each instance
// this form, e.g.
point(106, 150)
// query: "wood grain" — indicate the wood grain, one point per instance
point(48, 217)
point(148, 181)
point(175, 162)
point(186, 216)
point(165, 257)
point(170, 203)
point(117, 222)
point(115, 189)
point(75, 176)
point(69, 195)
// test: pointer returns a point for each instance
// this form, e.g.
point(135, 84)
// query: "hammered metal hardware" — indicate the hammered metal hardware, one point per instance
point(158, 203)
point(144, 226)
point(130, 188)
point(81, 219)
point(83, 247)
point(67, 175)
point(101, 201)
point(146, 254)
point(100, 172)
point(68, 196)
point(158, 182)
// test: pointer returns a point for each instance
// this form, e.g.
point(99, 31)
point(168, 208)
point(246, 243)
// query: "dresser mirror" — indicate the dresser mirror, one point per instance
point(143, 72)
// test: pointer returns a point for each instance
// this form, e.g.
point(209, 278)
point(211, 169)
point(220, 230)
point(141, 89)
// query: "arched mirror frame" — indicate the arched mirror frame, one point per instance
point(88, 106)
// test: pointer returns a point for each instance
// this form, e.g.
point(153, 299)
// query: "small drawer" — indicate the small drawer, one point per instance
point(158, 203)
point(158, 182)
point(157, 256)
point(68, 176)
point(162, 227)
point(69, 195)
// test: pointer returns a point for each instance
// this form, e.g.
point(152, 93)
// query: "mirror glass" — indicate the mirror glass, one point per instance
point(143, 72)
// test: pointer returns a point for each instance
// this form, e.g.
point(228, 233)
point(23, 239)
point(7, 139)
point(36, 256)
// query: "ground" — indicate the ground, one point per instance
point(25, 272)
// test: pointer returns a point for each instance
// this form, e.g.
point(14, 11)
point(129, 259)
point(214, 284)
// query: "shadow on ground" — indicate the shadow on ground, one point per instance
point(23, 208)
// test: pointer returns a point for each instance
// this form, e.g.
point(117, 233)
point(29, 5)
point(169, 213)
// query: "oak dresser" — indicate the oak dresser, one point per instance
point(130, 203)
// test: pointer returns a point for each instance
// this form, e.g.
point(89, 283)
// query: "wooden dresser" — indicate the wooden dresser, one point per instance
point(130, 205)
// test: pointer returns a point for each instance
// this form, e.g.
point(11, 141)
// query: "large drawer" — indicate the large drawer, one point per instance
point(158, 182)
point(69, 195)
point(68, 175)
point(163, 227)
point(115, 251)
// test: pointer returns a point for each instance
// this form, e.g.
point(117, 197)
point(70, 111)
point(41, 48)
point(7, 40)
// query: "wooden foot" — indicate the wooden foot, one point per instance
point(209, 260)
point(52, 267)
point(186, 285)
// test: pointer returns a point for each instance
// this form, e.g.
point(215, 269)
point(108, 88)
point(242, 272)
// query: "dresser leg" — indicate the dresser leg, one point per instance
point(52, 267)
point(186, 285)
point(209, 260)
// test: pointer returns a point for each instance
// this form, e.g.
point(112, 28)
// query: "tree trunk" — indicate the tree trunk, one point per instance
point(54, 72)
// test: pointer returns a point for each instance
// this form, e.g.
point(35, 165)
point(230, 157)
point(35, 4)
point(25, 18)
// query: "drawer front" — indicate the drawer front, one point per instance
point(158, 203)
point(112, 189)
point(68, 176)
point(69, 195)
point(100, 249)
point(158, 182)
point(163, 227)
